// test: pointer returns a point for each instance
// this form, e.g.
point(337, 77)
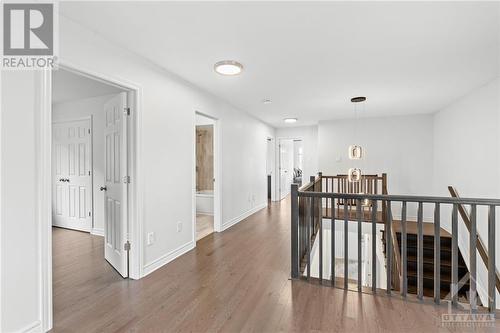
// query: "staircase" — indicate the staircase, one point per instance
point(428, 256)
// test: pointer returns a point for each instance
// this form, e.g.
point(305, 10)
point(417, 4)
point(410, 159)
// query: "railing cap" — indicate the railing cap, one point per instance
point(403, 198)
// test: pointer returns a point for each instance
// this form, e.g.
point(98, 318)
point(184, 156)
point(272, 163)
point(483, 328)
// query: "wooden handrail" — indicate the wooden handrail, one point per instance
point(396, 280)
point(480, 244)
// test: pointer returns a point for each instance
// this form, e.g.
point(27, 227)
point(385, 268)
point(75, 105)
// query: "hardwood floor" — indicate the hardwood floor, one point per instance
point(204, 225)
point(233, 281)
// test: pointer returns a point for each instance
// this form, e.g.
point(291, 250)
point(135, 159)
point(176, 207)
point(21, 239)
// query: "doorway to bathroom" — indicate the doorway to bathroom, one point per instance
point(205, 176)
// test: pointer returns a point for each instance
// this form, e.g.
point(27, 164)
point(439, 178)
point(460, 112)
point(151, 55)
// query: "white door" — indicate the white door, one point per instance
point(286, 167)
point(71, 175)
point(115, 187)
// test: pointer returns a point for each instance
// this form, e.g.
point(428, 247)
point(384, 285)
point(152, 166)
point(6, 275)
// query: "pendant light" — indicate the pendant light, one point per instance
point(356, 153)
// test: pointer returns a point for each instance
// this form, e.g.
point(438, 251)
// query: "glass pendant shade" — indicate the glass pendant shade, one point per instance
point(355, 152)
point(354, 175)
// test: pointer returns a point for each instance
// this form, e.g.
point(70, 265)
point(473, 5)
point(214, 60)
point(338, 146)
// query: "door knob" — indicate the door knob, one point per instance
point(103, 188)
point(66, 180)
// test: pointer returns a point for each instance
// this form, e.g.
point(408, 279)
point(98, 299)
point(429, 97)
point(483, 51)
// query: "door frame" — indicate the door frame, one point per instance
point(217, 175)
point(90, 119)
point(272, 165)
point(43, 128)
point(278, 165)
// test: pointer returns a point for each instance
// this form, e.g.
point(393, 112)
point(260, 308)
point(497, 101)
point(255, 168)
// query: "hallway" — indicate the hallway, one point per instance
point(233, 281)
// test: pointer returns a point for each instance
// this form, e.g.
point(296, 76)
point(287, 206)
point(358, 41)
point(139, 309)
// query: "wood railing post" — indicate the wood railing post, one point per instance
point(295, 231)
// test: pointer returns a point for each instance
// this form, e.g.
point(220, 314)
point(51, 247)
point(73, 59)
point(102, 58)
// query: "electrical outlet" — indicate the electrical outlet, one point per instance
point(179, 226)
point(151, 238)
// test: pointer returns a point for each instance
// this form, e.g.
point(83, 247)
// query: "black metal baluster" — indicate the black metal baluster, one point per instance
point(333, 244)
point(491, 260)
point(420, 251)
point(437, 253)
point(404, 262)
point(374, 246)
point(346, 243)
point(472, 258)
point(454, 255)
point(358, 213)
point(388, 245)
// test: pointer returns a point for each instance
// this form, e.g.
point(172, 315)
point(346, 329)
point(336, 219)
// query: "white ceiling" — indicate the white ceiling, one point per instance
point(68, 86)
point(310, 58)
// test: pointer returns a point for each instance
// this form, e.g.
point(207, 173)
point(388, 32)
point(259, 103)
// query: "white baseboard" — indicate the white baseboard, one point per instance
point(205, 213)
point(35, 327)
point(165, 259)
point(70, 227)
point(243, 216)
point(97, 232)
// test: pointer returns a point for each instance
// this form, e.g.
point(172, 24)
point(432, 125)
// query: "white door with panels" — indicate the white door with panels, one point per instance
point(72, 174)
point(286, 167)
point(116, 184)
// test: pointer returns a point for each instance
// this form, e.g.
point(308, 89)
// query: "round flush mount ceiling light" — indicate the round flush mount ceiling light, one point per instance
point(228, 67)
point(266, 101)
point(290, 120)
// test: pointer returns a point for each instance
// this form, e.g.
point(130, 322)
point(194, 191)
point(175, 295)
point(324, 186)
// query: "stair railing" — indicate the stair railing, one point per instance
point(309, 220)
point(310, 198)
point(481, 248)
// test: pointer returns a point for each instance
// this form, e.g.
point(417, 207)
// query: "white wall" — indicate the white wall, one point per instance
point(399, 146)
point(309, 137)
point(78, 109)
point(169, 106)
point(466, 156)
point(20, 257)
point(168, 120)
point(466, 144)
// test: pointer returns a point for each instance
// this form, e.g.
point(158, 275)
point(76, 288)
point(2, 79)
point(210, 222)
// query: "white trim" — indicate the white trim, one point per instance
point(165, 259)
point(34, 327)
point(277, 157)
point(97, 232)
point(204, 213)
point(43, 127)
point(243, 216)
point(217, 174)
point(134, 101)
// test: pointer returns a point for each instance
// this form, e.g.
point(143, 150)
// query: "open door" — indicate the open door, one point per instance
point(116, 184)
point(286, 167)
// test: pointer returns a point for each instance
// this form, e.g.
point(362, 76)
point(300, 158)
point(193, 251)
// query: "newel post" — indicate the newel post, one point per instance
point(295, 231)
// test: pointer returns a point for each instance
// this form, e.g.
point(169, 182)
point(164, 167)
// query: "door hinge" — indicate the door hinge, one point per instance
point(126, 111)
point(126, 179)
point(89, 214)
point(126, 246)
point(89, 130)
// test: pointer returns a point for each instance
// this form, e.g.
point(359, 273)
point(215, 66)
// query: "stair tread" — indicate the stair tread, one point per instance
point(444, 262)
point(430, 276)
point(429, 292)
point(427, 228)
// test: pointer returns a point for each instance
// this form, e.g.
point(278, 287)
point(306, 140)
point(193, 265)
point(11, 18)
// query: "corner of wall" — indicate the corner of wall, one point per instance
point(238, 219)
point(166, 258)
